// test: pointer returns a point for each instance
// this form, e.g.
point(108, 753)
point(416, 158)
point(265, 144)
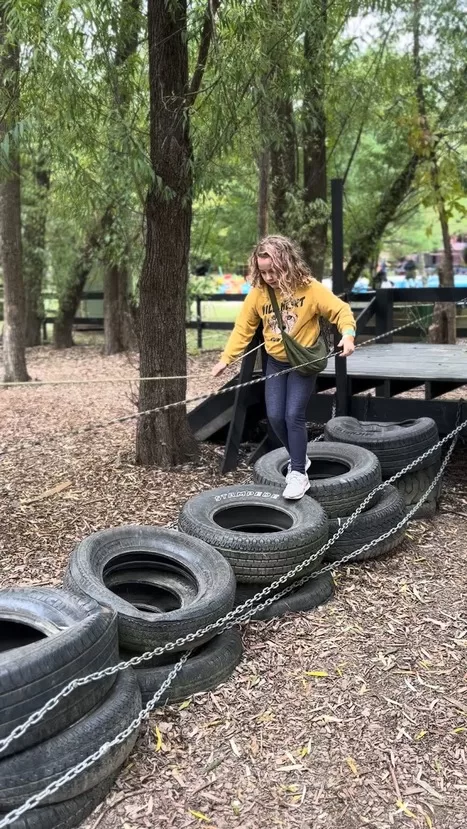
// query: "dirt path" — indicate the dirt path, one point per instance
point(377, 741)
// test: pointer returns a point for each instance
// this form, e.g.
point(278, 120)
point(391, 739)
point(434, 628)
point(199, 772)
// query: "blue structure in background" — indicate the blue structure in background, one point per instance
point(400, 281)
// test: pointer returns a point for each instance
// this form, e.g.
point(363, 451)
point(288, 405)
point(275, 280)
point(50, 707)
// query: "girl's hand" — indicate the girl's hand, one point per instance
point(219, 369)
point(347, 344)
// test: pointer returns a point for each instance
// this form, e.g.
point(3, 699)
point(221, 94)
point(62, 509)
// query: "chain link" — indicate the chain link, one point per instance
point(202, 397)
point(144, 713)
point(233, 618)
point(93, 758)
point(238, 614)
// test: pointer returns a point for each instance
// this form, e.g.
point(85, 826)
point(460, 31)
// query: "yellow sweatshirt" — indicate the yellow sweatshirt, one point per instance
point(300, 316)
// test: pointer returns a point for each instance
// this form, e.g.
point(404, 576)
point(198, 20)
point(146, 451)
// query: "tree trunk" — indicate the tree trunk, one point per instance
point(70, 297)
point(367, 243)
point(34, 264)
point(165, 438)
point(283, 163)
point(117, 333)
point(263, 194)
point(314, 141)
point(14, 352)
point(443, 328)
point(116, 310)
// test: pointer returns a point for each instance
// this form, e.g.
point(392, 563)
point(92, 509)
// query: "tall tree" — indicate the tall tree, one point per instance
point(314, 138)
point(35, 192)
point(263, 192)
point(165, 438)
point(281, 128)
point(14, 354)
point(97, 243)
point(117, 333)
point(365, 245)
point(443, 329)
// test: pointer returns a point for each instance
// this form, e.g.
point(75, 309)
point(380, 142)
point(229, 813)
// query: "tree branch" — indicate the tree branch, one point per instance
point(354, 151)
point(207, 33)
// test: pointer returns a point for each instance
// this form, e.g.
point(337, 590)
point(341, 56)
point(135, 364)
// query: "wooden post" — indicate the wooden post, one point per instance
point(240, 406)
point(199, 323)
point(384, 321)
point(339, 285)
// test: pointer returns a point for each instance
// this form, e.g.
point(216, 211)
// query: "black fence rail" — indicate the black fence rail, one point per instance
point(376, 312)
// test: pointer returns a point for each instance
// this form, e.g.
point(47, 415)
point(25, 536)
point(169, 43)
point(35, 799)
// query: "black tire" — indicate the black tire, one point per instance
point(385, 514)
point(205, 669)
point(66, 815)
point(413, 485)
point(394, 444)
point(159, 550)
point(259, 533)
point(313, 593)
point(78, 638)
point(30, 771)
point(341, 476)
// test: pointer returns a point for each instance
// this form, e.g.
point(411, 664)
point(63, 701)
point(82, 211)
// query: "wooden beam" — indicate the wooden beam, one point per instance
point(420, 295)
point(384, 314)
point(366, 315)
point(241, 402)
point(435, 388)
point(443, 412)
point(339, 285)
point(359, 384)
point(400, 386)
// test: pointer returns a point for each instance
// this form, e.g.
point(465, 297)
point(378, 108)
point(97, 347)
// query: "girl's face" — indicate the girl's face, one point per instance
point(267, 271)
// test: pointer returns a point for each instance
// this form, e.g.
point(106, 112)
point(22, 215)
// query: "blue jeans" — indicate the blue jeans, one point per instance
point(286, 403)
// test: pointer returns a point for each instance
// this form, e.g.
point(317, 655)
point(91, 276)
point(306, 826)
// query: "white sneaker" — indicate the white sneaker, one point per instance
point(297, 485)
point(289, 468)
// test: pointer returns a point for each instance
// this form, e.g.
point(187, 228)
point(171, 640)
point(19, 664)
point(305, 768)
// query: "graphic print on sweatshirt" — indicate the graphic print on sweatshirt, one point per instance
point(289, 317)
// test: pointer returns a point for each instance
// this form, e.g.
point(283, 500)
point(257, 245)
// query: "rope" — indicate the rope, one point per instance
point(33, 442)
point(226, 622)
point(32, 384)
point(167, 378)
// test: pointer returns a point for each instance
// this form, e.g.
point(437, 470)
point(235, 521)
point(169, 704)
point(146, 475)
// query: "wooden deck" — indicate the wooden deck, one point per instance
point(407, 361)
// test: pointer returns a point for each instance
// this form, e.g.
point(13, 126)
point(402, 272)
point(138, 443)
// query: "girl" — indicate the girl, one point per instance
point(276, 261)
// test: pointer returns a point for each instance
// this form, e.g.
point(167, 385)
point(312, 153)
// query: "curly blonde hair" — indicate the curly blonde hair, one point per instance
point(287, 261)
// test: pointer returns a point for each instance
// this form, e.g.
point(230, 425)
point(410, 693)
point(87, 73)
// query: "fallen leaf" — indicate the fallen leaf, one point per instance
point(235, 748)
point(266, 717)
point(352, 766)
point(158, 738)
point(305, 750)
point(316, 673)
point(199, 815)
point(254, 747)
point(184, 704)
point(47, 493)
point(403, 808)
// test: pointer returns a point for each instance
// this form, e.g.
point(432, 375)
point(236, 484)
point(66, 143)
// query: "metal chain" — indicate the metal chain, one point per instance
point(93, 758)
point(144, 713)
point(238, 614)
point(366, 406)
point(199, 398)
point(333, 414)
point(155, 378)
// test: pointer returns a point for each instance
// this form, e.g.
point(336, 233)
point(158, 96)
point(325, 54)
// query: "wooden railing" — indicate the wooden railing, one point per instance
point(375, 312)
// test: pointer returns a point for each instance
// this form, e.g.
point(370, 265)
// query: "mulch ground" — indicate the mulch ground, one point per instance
point(351, 716)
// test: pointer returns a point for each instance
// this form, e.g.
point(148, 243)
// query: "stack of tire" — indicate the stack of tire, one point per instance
point(341, 477)
point(396, 445)
point(47, 639)
point(161, 585)
point(263, 537)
